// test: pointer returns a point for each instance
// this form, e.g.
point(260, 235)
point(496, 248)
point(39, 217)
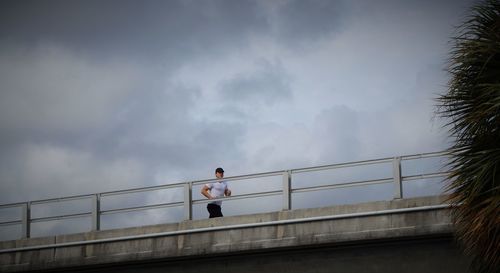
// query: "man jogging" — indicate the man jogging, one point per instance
point(216, 190)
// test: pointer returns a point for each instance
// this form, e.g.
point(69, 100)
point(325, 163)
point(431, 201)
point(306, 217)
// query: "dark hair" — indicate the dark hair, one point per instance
point(219, 170)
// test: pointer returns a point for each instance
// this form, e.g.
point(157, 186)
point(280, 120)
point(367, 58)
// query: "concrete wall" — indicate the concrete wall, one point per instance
point(393, 242)
point(430, 255)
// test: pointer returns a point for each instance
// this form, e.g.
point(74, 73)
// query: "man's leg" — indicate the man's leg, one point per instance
point(214, 210)
point(218, 212)
point(210, 211)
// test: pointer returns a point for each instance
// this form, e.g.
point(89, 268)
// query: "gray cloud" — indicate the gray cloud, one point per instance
point(49, 88)
point(337, 129)
point(268, 85)
point(152, 29)
point(74, 111)
point(298, 22)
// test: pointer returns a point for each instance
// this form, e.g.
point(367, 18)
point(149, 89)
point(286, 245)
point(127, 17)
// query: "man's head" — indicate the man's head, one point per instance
point(219, 173)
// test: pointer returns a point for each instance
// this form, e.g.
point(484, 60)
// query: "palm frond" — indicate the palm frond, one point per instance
point(472, 109)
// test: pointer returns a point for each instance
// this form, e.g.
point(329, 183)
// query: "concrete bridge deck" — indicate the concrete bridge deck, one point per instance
point(405, 235)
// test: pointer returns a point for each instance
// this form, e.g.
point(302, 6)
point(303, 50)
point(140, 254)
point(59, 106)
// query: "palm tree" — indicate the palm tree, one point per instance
point(472, 109)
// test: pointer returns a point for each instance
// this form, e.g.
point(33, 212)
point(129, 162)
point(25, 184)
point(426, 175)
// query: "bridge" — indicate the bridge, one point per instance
point(397, 235)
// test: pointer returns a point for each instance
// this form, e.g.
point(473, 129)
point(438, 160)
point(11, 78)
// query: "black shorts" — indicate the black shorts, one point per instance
point(214, 210)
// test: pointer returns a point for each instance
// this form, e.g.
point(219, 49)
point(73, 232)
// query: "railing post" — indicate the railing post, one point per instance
point(396, 172)
point(287, 193)
point(188, 201)
point(96, 212)
point(26, 220)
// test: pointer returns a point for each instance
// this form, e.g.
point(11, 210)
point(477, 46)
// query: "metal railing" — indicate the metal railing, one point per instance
point(187, 203)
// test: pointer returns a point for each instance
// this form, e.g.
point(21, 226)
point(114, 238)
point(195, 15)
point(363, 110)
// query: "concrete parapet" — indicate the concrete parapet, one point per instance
point(230, 235)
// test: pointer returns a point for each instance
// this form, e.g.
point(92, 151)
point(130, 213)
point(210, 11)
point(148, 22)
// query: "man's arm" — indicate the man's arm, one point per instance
point(205, 192)
point(227, 192)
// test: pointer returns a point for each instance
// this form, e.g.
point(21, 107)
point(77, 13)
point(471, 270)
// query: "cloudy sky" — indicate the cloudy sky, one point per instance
point(104, 95)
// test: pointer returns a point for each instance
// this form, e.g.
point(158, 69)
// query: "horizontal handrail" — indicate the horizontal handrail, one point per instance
point(146, 207)
point(425, 176)
point(240, 196)
point(342, 165)
point(343, 185)
point(10, 223)
point(233, 178)
point(425, 155)
point(61, 199)
point(61, 217)
point(239, 177)
point(188, 202)
point(152, 188)
point(12, 205)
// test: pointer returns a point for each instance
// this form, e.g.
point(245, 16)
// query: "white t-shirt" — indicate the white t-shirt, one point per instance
point(217, 190)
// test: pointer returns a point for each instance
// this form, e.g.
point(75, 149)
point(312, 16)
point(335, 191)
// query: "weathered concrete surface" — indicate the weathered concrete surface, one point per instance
point(411, 256)
point(401, 242)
